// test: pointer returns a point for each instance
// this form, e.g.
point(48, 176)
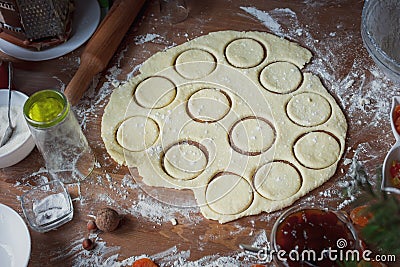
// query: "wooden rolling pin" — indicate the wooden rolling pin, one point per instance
point(102, 46)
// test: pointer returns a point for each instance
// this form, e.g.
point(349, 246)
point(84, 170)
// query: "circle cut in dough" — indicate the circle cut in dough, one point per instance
point(229, 193)
point(252, 136)
point(281, 77)
point(155, 92)
point(244, 53)
point(208, 105)
point(185, 161)
point(309, 109)
point(317, 150)
point(137, 133)
point(277, 180)
point(195, 64)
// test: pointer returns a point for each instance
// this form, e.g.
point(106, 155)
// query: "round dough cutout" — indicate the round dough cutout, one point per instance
point(281, 77)
point(137, 133)
point(195, 64)
point(252, 136)
point(208, 105)
point(229, 194)
point(317, 150)
point(277, 180)
point(244, 53)
point(155, 92)
point(184, 161)
point(309, 109)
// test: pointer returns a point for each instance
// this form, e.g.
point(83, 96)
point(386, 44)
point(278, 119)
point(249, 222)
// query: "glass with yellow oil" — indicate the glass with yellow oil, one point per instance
point(58, 136)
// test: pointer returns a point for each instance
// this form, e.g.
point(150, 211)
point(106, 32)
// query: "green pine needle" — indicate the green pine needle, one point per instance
point(383, 230)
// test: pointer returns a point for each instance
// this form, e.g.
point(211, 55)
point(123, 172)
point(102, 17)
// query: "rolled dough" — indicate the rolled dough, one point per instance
point(231, 116)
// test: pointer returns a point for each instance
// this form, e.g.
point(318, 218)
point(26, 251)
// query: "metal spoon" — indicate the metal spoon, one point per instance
point(10, 129)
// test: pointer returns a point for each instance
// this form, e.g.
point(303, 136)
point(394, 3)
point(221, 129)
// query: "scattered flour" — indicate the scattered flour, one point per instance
point(265, 18)
point(150, 37)
point(148, 207)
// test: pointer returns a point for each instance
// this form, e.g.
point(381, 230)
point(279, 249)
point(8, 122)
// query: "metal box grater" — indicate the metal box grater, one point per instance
point(35, 20)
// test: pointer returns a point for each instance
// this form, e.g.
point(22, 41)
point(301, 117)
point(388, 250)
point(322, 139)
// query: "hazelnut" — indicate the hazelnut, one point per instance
point(107, 219)
point(87, 244)
point(91, 226)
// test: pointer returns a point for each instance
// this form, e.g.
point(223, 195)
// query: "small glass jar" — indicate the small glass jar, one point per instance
point(58, 136)
point(47, 206)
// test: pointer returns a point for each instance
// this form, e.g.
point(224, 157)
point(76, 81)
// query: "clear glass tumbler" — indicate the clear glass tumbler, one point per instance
point(58, 136)
point(174, 11)
point(380, 31)
point(47, 206)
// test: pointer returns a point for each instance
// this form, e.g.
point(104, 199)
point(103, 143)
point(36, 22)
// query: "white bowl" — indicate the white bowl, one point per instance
point(15, 241)
point(15, 150)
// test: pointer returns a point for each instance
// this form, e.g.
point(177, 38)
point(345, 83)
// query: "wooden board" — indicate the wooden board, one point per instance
point(330, 29)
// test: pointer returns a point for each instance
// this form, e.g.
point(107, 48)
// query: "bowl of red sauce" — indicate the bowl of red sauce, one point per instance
point(312, 235)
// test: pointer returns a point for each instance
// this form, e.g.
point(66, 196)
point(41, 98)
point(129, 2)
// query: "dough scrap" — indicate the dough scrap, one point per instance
point(246, 134)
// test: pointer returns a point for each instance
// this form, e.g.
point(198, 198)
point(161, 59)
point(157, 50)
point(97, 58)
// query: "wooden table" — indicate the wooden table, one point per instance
point(330, 29)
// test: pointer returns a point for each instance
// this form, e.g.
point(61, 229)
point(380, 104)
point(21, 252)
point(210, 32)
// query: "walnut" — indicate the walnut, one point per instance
point(107, 219)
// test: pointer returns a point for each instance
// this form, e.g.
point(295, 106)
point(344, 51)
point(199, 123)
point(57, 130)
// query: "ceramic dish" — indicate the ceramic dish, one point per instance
point(393, 154)
point(15, 241)
point(86, 17)
point(21, 142)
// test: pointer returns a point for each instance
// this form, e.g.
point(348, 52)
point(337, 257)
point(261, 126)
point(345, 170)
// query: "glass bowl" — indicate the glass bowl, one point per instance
point(380, 31)
point(47, 206)
point(305, 234)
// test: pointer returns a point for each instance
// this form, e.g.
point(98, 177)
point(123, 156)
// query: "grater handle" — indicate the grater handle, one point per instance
point(102, 46)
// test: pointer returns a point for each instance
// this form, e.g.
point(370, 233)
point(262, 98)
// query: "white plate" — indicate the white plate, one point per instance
point(15, 241)
point(86, 17)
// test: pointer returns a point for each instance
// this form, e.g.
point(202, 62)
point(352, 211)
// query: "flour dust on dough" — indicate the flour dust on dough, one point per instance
point(231, 116)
